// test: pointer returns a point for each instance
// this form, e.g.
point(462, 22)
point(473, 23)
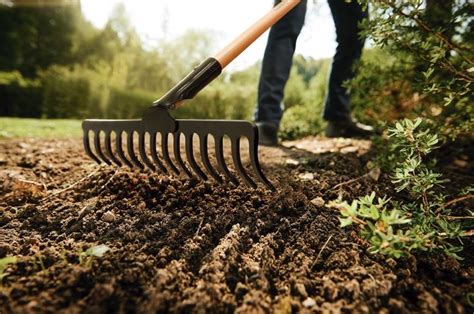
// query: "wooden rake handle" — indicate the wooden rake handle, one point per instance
point(241, 43)
point(212, 67)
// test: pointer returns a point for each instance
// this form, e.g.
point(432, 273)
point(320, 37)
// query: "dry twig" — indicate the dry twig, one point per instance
point(72, 185)
point(459, 199)
point(351, 181)
point(321, 251)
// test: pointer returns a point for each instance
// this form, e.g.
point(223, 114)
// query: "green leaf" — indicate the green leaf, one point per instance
point(417, 123)
point(4, 262)
point(345, 222)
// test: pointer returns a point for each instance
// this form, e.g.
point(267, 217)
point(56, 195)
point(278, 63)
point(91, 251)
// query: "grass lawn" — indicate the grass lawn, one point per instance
point(39, 128)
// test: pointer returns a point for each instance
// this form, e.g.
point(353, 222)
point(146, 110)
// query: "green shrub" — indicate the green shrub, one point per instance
point(305, 118)
point(421, 223)
point(73, 93)
point(221, 100)
point(89, 93)
point(381, 91)
point(426, 65)
point(128, 104)
point(300, 121)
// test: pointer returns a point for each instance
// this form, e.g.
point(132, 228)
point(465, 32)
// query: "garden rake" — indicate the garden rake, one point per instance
point(157, 120)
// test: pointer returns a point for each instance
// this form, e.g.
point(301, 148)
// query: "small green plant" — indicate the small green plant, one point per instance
point(87, 257)
point(423, 223)
point(4, 262)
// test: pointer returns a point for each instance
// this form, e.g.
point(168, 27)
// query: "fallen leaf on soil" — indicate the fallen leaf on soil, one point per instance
point(306, 176)
point(28, 187)
point(375, 173)
point(98, 250)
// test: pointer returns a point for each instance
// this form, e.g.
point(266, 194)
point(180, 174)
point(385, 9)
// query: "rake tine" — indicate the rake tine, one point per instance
point(253, 147)
point(154, 153)
point(205, 158)
point(177, 154)
point(108, 149)
point(141, 149)
point(235, 145)
point(98, 149)
point(221, 161)
point(190, 157)
point(131, 153)
point(166, 154)
point(119, 150)
point(87, 147)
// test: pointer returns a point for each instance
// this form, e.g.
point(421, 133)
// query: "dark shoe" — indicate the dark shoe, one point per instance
point(349, 129)
point(267, 133)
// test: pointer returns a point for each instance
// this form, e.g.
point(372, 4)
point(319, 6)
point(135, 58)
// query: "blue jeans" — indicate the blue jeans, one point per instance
point(279, 53)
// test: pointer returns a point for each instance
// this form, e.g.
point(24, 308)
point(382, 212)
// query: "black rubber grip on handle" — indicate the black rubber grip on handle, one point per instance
point(192, 84)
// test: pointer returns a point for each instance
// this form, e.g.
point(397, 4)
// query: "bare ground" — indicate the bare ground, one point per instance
point(187, 246)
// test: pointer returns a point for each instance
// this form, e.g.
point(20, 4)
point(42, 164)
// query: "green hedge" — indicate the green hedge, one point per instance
point(19, 97)
point(221, 100)
point(72, 93)
point(84, 93)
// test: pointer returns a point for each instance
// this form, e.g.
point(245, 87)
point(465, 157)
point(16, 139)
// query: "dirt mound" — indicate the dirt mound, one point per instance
point(186, 246)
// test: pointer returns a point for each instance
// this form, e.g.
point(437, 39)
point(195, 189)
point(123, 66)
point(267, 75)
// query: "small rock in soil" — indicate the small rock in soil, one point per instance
point(309, 302)
point(318, 202)
point(292, 162)
point(108, 217)
point(24, 145)
point(349, 149)
point(306, 176)
point(461, 163)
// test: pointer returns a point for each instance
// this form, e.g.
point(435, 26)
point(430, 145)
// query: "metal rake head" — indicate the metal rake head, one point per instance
point(158, 121)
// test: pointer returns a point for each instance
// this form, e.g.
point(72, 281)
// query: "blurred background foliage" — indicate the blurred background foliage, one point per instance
point(55, 64)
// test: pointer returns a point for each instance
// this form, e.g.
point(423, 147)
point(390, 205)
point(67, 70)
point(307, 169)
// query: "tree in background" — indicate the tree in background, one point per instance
point(37, 34)
point(69, 69)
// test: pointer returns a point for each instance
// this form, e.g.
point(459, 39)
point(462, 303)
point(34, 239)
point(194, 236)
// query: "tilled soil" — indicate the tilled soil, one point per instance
point(187, 246)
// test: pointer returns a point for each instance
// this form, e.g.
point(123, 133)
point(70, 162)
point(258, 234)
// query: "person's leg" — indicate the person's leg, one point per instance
point(277, 63)
point(346, 16)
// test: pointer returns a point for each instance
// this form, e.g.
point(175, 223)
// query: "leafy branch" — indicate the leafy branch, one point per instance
point(422, 224)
